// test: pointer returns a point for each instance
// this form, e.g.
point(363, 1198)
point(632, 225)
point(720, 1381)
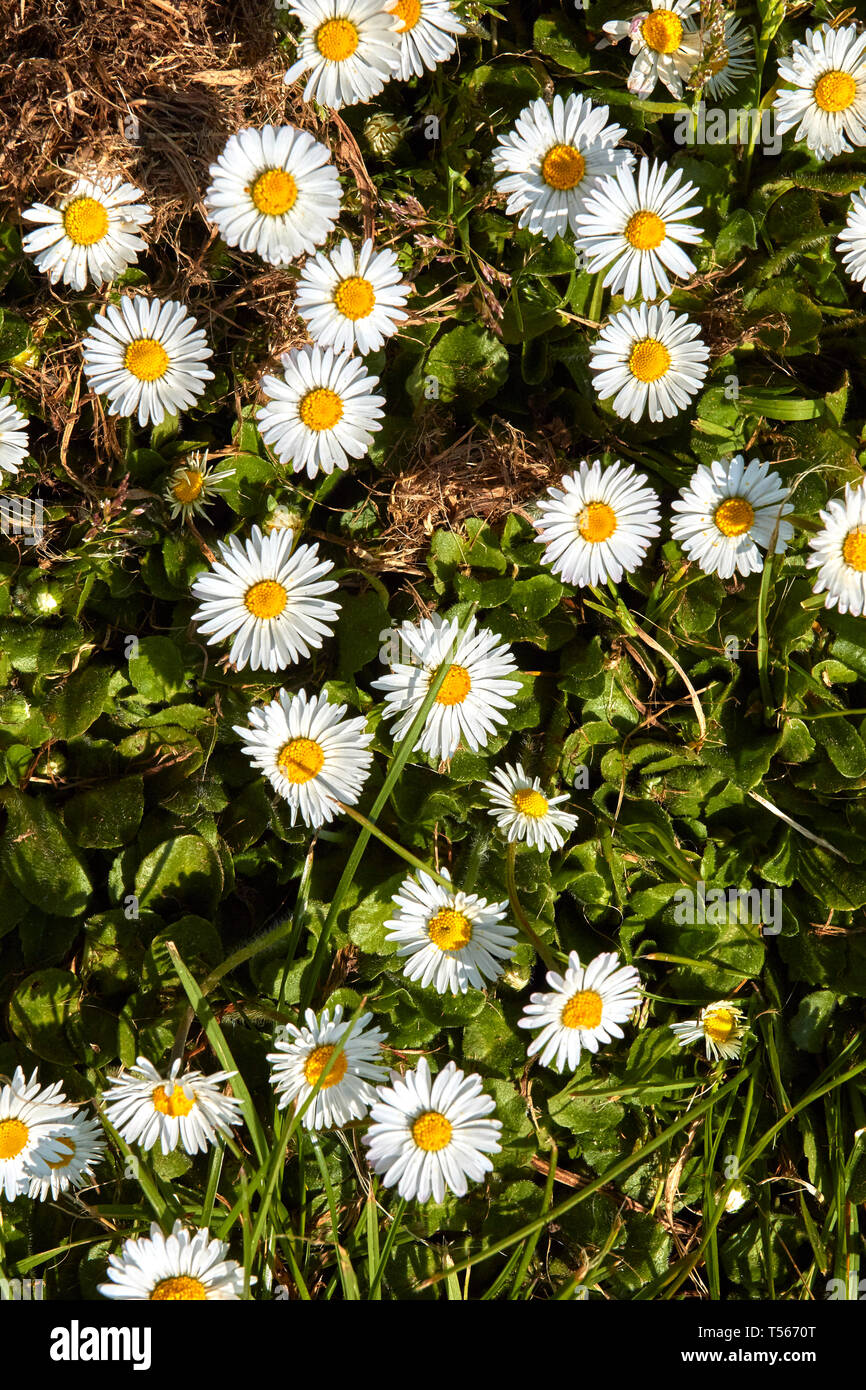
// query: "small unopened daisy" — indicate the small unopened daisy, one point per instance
point(300, 1058)
point(427, 34)
point(31, 1119)
point(185, 1267)
point(148, 357)
point(598, 524)
point(268, 598)
point(651, 360)
point(189, 1109)
point(192, 486)
point(729, 513)
point(451, 940)
point(471, 700)
point(13, 438)
point(633, 225)
point(92, 235)
point(350, 48)
point(524, 812)
point(839, 552)
point(274, 192)
point(82, 1145)
point(350, 300)
point(430, 1136)
point(852, 243)
point(552, 160)
point(719, 1026)
point(584, 1009)
point(321, 412)
point(735, 59)
point(827, 97)
point(664, 45)
point(310, 753)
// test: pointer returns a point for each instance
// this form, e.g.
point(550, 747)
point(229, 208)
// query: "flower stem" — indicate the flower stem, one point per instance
point(517, 909)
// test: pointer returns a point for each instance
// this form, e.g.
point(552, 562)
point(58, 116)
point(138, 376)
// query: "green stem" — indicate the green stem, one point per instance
point(517, 909)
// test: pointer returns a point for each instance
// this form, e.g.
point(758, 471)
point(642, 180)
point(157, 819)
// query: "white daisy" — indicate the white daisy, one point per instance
point(852, 243)
point(664, 45)
point(14, 444)
point(31, 1119)
point(322, 412)
point(473, 696)
point(82, 1144)
point(583, 1010)
point(523, 811)
point(553, 158)
point(145, 1106)
point(192, 486)
point(827, 101)
point(348, 299)
point(729, 513)
point(350, 48)
point(309, 753)
point(651, 360)
point(148, 357)
point(274, 192)
point(426, 34)
point(719, 1026)
point(632, 228)
point(733, 62)
point(183, 1267)
point(301, 1055)
point(451, 939)
point(92, 235)
point(268, 598)
point(598, 524)
point(840, 552)
point(430, 1136)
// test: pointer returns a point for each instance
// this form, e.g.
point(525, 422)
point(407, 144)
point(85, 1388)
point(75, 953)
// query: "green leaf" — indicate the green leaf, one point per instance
point(40, 857)
point(107, 816)
point(468, 363)
point(157, 671)
point(184, 870)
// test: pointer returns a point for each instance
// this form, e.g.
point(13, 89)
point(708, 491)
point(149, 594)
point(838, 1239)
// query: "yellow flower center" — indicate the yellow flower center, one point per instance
point(719, 1025)
point(85, 221)
point(854, 549)
point(321, 408)
point(432, 1131)
point(337, 40)
point(583, 1010)
point(300, 760)
point(13, 1137)
point(450, 930)
point(530, 802)
point(177, 1104)
point(645, 231)
point(597, 522)
point(649, 359)
point(662, 31)
point(563, 167)
point(188, 485)
point(409, 11)
point(835, 91)
point(316, 1063)
point(146, 359)
point(734, 516)
point(274, 192)
point(455, 687)
point(267, 599)
point(182, 1288)
point(64, 1162)
point(355, 298)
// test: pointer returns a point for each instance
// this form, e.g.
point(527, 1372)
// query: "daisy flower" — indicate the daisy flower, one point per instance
point(473, 696)
point(145, 1106)
point(350, 300)
point(430, 1136)
point(583, 1010)
point(553, 158)
point(192, 485)
point(268, 598)
point(13, 437)
point(852, 243)
point(840, 552)
point(32, 1117)
point(651, 360)
point(322, 412)
point(827, 99)
point(309, 753)
point(719, 1026)
point(733, 62)
point(664, 45)
point(148, 357)
point(274, 192)
point(729, 513)
point(183, 1267)
point(92, 236)
point(350, 48)
point(523, 812)
point(452, 940)
point(632, 227)
point(599, 524)
point(302, 1054)
point(82, 1144)
point(426, 34)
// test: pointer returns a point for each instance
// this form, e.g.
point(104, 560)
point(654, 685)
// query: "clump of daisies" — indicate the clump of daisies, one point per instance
point(350, 299)
point(13, 437)
point(192, 486)
point(148, 357)
point(348, 50)
point(449, 939)
point(583, 1010)
point(322, 412)
point(82, 1145)
point(730, 512)
point(598, 524)
point(839, 552)
point(852, 242)
point(826, 98)
point(650, 360)
point(524, 812)
point(664, 44)
point(346, 1089)
point(426, 35)
point(39, 1138)
point(93, 233)
point(187, 1109)
point(183, 1267)
point(719, 1027)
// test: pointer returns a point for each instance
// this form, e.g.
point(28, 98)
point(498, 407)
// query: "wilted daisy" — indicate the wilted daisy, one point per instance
point(451, 939)
point(426, 34)
point(651, 360)
point(719, 1026)
point(524, 812)
point(598, 524)
point(184, 1267)
point(827, 100)
point(274, 192)
point(632, 227)
point(82, 1145)
point(148, 357)
point(190, 1110)
point(92, 235)
point(309, 753)
point(430, 1135)
point(348, 299)
point(736, 58)
point(584, 1009)
point(729, 513)
point(553, 158)
point(268, 598)
point(192, 486)
point(31, 1119)
point(473, 696)
point(350, 48)
point(322, 412)
point(852, 243)
point(664, 45)
point(301, 1055)
point(13, 437)
point(839, 552)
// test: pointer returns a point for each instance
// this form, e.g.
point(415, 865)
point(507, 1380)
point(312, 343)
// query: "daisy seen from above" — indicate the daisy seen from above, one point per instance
point(450, 940)
point(719, 1027)
point(598, 524)
point(192, 486)
point(427, 34)
point(189, 1109)
point(583, 1010)
point(32, 1120)
point(350, 299)
point(322, 412)
point(349, 48)
point(93, 233)
point(852, 242)
point(651, 360)
point(664, 44)
point(184, 1267)
point(522, 811)
point(299, 1059)
point(729, 513)
point(826, 98)
point(148, 357)
point(82, 1145)
point(14, 443)
point(839, 552)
